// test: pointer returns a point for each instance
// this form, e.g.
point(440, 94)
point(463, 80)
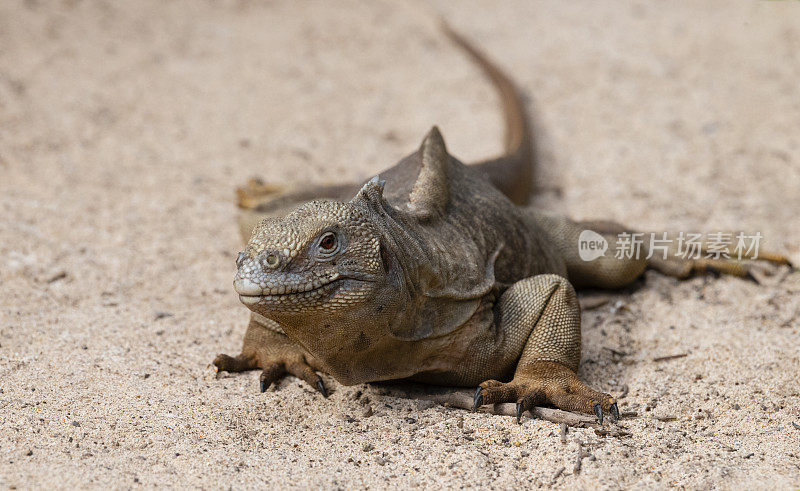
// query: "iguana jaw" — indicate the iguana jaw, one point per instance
point(313, 295)
point(288, 297)
point(319, 293)
point(247, 288)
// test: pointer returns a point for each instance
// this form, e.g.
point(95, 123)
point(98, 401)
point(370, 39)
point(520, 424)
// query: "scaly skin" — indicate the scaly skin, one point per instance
point(429, 273)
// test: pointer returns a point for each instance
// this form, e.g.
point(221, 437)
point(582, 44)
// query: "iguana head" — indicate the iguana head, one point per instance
point(324, 256)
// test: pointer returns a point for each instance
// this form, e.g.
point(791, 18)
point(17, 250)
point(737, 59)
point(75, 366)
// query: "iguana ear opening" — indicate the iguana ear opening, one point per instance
point(431, 193)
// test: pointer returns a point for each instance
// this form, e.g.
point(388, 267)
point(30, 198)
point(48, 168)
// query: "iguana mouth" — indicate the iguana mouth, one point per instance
point(309, 291)
point(285, 290)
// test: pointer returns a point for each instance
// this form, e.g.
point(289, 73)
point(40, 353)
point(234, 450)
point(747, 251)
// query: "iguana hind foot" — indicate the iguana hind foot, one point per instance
point(759, 269)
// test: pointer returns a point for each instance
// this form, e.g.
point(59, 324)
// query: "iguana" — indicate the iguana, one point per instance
point(433, 271)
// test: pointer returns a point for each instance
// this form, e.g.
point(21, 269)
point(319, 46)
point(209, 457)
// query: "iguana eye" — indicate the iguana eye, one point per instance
point(328, 242)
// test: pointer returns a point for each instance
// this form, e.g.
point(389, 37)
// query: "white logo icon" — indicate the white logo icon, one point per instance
point(591, 245)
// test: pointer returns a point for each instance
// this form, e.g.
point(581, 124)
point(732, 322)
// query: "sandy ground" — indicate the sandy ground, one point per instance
point(125, 127)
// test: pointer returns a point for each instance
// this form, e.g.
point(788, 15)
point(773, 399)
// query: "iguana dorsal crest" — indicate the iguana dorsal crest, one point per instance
point(431, 193)
point(371, 193)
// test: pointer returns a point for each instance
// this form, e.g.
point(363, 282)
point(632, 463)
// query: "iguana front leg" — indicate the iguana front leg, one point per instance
point(543, 313)
point(267, 347)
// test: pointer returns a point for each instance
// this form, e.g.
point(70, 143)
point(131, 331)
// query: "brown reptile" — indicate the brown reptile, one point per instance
point(433, 271)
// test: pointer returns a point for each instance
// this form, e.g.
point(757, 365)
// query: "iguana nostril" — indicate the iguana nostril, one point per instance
point(240, 259)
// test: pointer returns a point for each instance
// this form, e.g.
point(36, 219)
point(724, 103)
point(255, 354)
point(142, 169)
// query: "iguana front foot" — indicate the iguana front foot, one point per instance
point(272, 370)
point(547, 383)
point(266, 348)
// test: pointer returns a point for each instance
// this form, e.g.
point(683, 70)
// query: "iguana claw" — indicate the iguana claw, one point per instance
point(321, 388)
point(598, 411)
point(520, 410)
point(614, 412)
point(478, 400)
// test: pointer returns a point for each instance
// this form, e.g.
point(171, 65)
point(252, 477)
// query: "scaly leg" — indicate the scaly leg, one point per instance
point(545, 310)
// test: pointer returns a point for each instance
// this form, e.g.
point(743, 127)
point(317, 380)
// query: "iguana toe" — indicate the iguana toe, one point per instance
point(477, 401)
point(614, 412)
point(321, 388)
point(274, 354)
point(271, 373)
point(303, 371)
point(240, 363)
point(598, 411)
point(274, 371)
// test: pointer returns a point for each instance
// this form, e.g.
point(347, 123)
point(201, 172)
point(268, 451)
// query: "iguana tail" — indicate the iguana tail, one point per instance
point(512, 172)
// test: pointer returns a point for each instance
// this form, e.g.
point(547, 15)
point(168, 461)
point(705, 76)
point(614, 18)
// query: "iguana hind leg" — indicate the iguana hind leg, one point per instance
point(266, 347)
point(613, 270)
point(542, 315)
point(759, 268)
